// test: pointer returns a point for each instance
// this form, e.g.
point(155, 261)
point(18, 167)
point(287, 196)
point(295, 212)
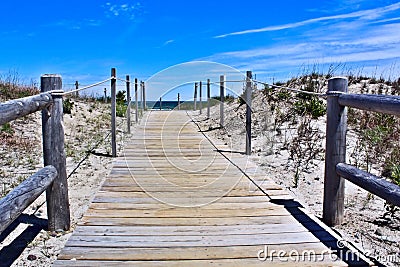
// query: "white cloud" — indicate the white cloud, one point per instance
point(126, 10)
point(169, 42)
point(363, 15)
point(355, 43)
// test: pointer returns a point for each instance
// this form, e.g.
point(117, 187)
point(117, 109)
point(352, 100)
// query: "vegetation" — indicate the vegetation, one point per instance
point(67, 106)
point(11, 88)
point(378, 135)
point(121, 105)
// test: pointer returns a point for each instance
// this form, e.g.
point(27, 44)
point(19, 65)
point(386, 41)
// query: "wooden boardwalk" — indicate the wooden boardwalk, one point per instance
point(172, 199)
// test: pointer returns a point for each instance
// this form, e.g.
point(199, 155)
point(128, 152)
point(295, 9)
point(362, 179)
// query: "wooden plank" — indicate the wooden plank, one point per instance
point(15, 202)
point(388, 104)
point(179, 253)
point(237, 220)
point(17, 108)
point(83, 230)
point(283, 261)
point(188, 213)
point(212, 206)
point(374, 184)
point(191, 241)
point(202, 201)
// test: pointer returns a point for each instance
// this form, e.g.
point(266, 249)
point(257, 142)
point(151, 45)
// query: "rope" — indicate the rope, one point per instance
point(122, 80)
point(59, 93)
point(321, 95)
point(293, 89)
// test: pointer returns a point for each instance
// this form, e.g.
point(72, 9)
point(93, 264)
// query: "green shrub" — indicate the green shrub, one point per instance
point(284, 95)
point(6, 128)
point(120, 97)
point(314, 107)
point(67, 106)
point(269, 92)
point(396, 174)
point(229, 98)
point(121, 110)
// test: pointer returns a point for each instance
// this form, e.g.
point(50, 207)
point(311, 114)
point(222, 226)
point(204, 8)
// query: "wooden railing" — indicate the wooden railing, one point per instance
point(222, 86)
point(53, 177)
point(336, 169)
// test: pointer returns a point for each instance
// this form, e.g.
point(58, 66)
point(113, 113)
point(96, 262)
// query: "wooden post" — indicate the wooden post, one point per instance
point(105, 95)
point(195, 97)
point(333, 206)
point(179, 101)
point(144, 97)
point(222, 99)
point(141, 98)
point(53, 154)
point(128, 97)
point(201, 105)
point(248, 111)
point(160, 104)
point(113, 112)
point(208, 98)
point(136, 101)
point(77, 87)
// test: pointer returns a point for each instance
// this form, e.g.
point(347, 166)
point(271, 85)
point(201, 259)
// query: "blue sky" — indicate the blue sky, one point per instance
point(82, 40)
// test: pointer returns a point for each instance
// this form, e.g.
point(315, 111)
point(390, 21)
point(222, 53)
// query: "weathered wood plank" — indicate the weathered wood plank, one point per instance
point(282, 261)
point(178, 253)
point(387, 104)
point(190, 230)
point(88, 220)
point(15, 202)
point(187, 213)
point(17, 108)
point(374, 184)
point(192, 241)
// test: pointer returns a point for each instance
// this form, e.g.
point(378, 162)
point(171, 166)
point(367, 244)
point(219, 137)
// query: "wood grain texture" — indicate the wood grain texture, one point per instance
point(387, 104)
point(17, 108)
point(374, 184)
point(15, 202)
point(58, 211)
point(172, 200)
point(335, 152)
point(113, 112)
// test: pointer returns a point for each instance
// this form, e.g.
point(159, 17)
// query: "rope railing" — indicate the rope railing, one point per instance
point(62, 93)
point(321, 95)
point(123, 80)
point(53, 144)
point(336, 170)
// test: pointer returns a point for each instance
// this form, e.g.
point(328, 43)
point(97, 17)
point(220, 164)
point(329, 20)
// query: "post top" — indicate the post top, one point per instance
point(51, 75)
point(338, 77)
